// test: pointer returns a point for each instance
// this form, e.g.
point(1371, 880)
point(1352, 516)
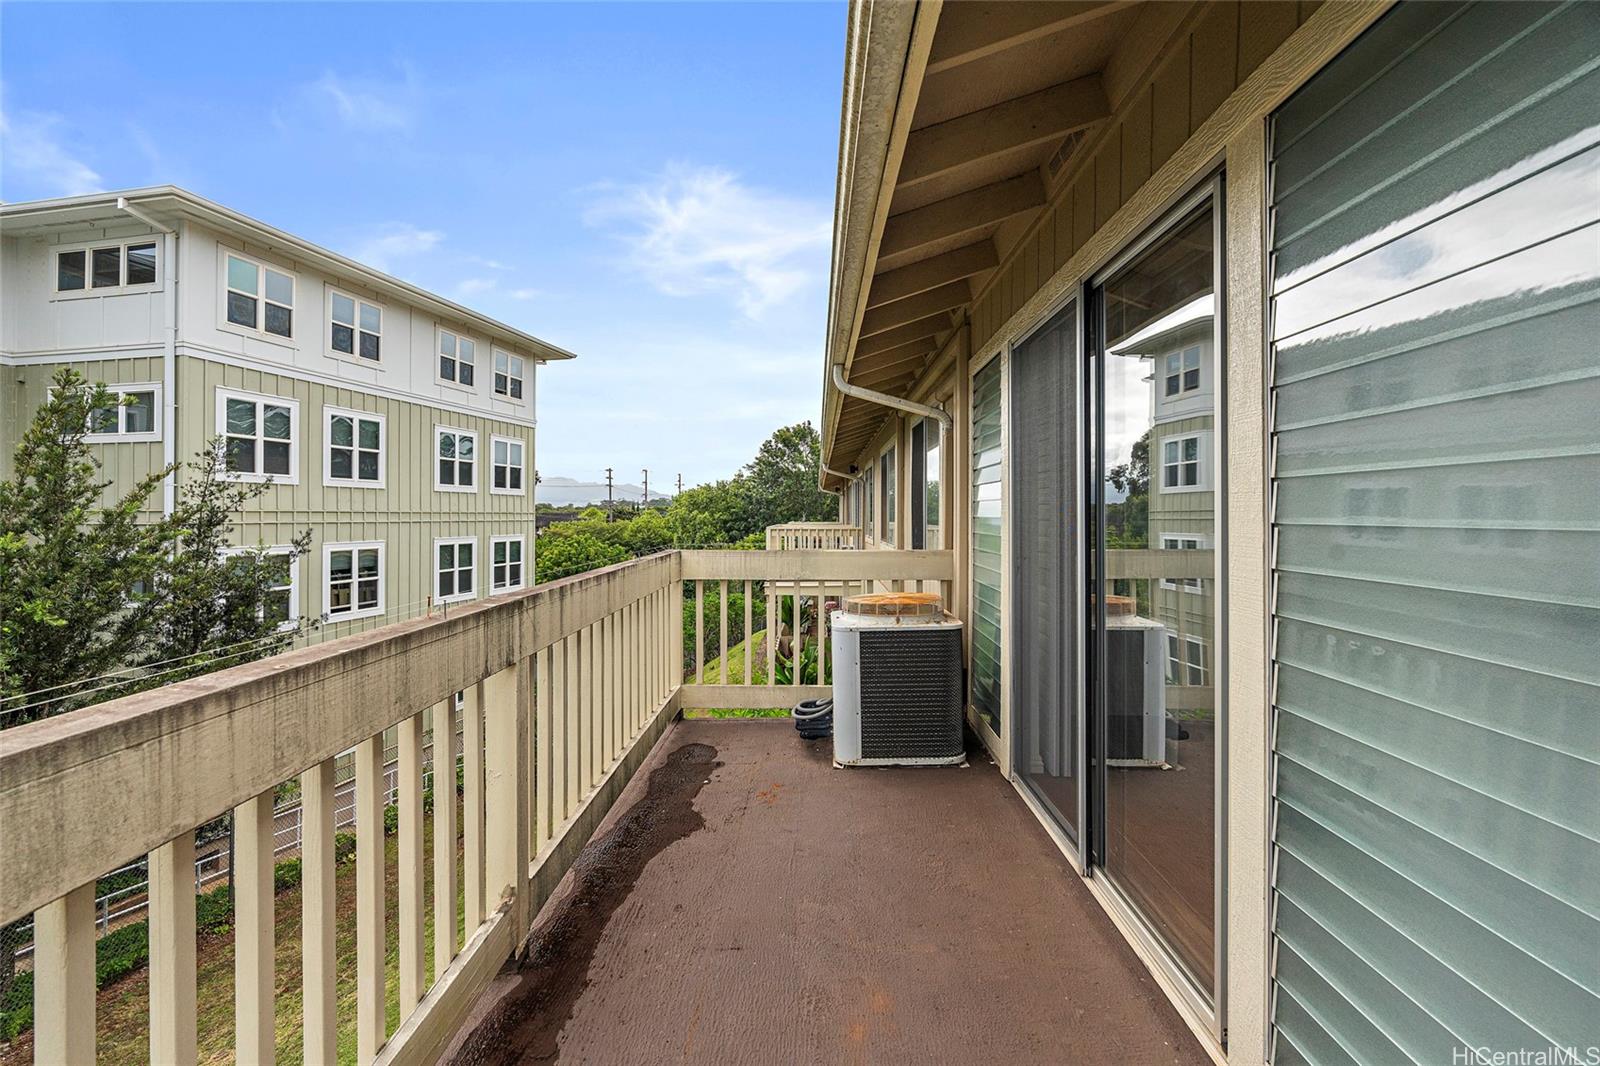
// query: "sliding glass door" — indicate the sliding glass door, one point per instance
point(1045, 532)
point(1153, 473)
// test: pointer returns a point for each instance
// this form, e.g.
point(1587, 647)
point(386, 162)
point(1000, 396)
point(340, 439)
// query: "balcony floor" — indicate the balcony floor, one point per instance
point(744, 901)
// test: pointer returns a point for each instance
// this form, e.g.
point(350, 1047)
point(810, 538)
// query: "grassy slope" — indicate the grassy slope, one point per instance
point(122, 1010)
point(712, 675)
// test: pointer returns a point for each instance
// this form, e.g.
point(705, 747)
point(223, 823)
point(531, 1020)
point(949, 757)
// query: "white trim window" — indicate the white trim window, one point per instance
point(508, 371)
point(352, 580)
point(458, 357)
point(1181, 374)
point(455, 467)
point(455, 569)
point(135, 417)
point(1183, 463)
point(1190, 671)
point(282, 602)
point(507, 569)
point(261, 436)
point(355, 327)
point(508, 466)
point(96, 269)
point(258, 297)
point(353, 451)
point(1182, 542)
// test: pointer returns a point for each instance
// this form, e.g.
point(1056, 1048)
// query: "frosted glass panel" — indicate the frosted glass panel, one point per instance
point(1436, 304)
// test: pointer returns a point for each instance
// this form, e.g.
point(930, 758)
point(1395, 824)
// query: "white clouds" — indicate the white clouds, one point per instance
point(367, 104)
point(36, 155)
point(392, 244)
point(695, 230)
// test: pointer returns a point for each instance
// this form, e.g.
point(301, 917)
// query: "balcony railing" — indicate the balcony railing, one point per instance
point(567, 686)
point(793, 536)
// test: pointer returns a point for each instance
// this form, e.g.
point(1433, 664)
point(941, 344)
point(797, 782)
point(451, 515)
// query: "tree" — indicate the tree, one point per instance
point(718, 513)
point(212, 606)
point(96, 589)
point(573, 552)
point(1129, 519)
point(783, 479)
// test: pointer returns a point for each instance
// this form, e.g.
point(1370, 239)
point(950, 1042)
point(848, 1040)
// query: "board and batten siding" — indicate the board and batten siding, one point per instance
point(1435, 304)
point(122, 464)
point(407, 514)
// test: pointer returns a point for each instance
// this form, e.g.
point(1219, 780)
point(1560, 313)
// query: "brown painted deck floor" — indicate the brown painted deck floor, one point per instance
point(746, 902)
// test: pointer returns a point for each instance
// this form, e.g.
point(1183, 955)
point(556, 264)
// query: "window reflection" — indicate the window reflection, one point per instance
point(1157, 707)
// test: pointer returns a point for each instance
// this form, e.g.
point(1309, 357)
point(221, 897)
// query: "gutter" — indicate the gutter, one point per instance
point(169, 355)
point(883, 399)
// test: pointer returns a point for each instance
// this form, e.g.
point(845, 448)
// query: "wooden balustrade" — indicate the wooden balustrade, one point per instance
point(566, 686)
point(813, 536)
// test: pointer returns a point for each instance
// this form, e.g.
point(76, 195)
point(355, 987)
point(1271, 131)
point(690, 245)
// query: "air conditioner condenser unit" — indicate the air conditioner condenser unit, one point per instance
point(898, 683)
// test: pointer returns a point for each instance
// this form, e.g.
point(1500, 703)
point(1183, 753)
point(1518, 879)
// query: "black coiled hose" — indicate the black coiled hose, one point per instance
point(813, 719)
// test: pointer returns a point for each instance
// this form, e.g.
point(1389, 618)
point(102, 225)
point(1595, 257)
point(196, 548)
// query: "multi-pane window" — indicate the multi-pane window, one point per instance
point(354, 580)
point(508, 375)
point(109, 267)
point(457, 358)
point(281, 600)
point(355, 327)
point(1180, 463)
point(926, 464)
point(1180, 542)
point(260, 436)
point(1182, 372)
point(455, 569)
point(134, 417)
point(507, 462)
point(1186, 660)
point(505, 563)
point(355, 449)
point(457, 452)
point(260, 297)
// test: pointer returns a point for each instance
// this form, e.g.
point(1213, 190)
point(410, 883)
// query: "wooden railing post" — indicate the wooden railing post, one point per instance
point(472, 806)
point(254, 1023)
point(173, 1037)
point(371, 1018)
point(63, 978)
point(444, 836)
point(508, 700)
point(317, 922)
point(409, 871)
point(544, 683)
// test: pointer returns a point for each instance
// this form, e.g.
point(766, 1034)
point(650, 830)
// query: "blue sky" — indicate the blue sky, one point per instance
point(648, 185)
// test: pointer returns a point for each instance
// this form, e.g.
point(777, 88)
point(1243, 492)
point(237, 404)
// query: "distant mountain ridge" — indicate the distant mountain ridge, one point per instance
point(570, 492)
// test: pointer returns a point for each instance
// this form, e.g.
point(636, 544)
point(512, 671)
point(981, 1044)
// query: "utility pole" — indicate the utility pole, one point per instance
point(610, 506)
point(647, 488)
point(680, 484)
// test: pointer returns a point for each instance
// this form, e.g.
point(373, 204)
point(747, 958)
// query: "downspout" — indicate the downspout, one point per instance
point(883, 399)
point(169, 356)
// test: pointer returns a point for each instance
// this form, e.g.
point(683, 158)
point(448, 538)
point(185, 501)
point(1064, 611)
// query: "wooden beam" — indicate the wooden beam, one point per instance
point(944, 298)
point(970, 31)
point(1037, 118)
point(932, 272)
point(900, 353)
point(931, 326)
point(890, 380)
point(966, 212)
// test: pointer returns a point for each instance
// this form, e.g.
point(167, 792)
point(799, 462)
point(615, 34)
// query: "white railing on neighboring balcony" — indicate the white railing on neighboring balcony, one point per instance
point(793, 536)
point(567, 687)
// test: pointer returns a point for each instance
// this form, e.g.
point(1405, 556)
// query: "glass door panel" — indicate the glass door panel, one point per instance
point(1154, 475)
point(1044, 461)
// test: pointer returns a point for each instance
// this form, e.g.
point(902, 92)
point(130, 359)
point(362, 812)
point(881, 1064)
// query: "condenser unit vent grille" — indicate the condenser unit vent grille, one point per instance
point(911, 693)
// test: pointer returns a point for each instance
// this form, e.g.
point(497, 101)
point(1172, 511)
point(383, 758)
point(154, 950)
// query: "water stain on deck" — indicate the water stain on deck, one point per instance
point(524, 1026)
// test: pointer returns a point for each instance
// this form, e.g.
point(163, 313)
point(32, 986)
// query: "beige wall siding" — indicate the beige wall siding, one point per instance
point(23, 388)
